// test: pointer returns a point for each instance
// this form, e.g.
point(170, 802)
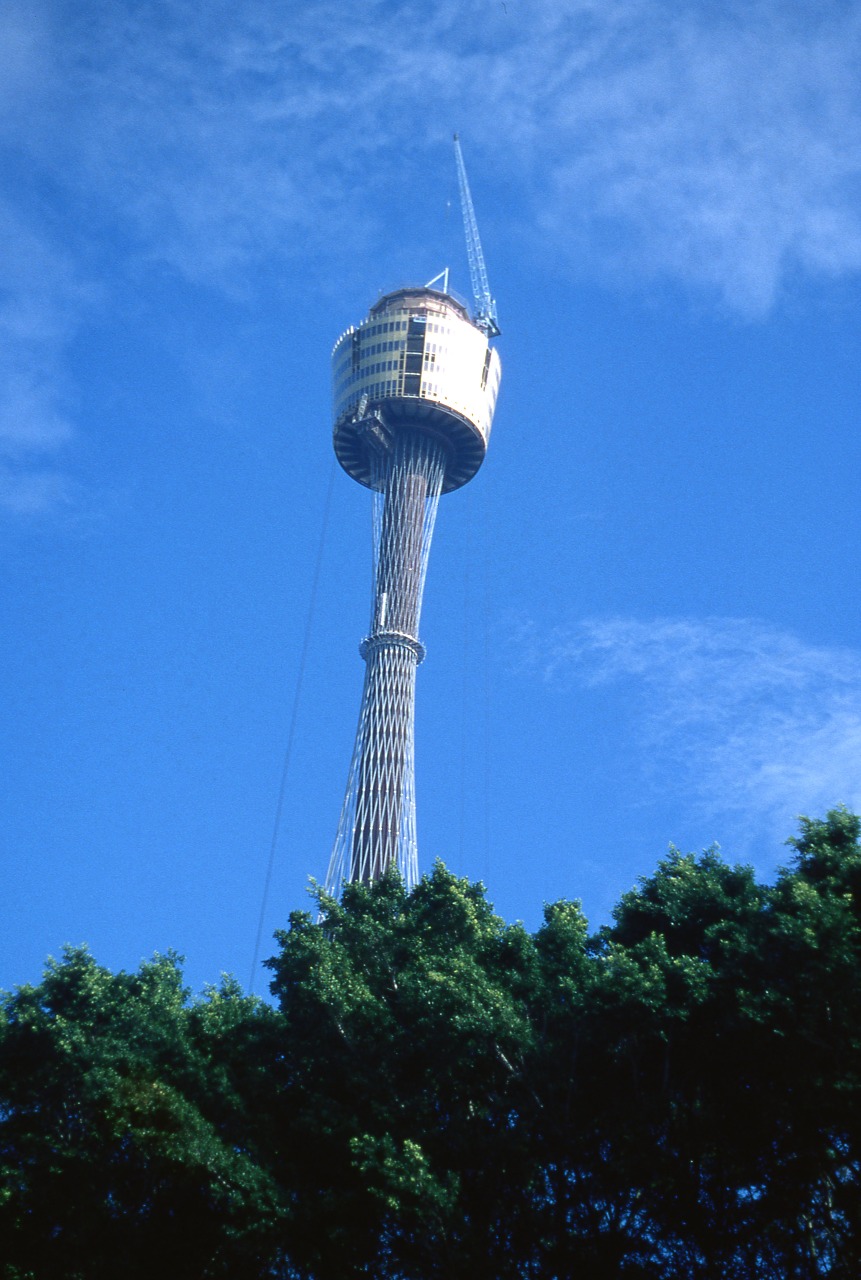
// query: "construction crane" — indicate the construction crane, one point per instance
point(485, 305)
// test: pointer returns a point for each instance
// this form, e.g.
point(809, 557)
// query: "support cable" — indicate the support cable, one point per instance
point(291, 731)
point(485, 601)
point(466, 673)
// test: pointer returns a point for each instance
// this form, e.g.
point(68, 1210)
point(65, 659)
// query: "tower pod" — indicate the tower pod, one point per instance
point(418, 363)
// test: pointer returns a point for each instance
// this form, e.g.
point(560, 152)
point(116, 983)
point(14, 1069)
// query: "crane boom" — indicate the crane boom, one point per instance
point(485, 305)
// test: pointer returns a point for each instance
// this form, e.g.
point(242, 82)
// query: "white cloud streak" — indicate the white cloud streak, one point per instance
point(631, 139)
point(40, 303)
point(637, 136)
point(748, 720)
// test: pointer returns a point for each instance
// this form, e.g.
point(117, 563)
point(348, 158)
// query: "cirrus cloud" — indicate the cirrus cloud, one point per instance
point(634, 140)
point(745, 718)
point(637, 137)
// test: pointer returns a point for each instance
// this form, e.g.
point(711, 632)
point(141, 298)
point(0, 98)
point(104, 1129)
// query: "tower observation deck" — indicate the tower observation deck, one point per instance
point(415, 387)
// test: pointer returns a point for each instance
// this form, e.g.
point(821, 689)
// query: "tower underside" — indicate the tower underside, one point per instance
point(378, 824)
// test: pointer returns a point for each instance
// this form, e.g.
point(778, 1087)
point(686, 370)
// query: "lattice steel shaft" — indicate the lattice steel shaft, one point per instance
point(378, 826)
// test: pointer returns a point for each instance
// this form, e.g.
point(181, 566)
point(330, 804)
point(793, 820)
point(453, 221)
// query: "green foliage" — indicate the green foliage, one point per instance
point(406, 1034)
point(112, 1141)
point(439, 1094)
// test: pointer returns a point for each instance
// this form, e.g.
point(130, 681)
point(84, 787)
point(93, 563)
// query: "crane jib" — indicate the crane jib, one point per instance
point(485, 306)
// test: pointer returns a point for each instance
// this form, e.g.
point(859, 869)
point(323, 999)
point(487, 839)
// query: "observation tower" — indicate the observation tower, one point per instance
point(415, 387)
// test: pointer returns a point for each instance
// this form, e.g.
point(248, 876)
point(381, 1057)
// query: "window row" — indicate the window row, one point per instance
point(379, 389)
point(398, 326)
point(390, 326)
point(347, 378)
point(394, 345)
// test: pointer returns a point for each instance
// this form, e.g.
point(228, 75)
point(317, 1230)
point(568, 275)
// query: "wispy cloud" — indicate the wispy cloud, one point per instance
point(748, 720)
point(720, 150)
point(635, 136)
point(40, 304)
point(637, 139)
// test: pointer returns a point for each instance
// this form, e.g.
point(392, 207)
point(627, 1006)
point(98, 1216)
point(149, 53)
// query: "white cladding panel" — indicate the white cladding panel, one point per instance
point(455, 368)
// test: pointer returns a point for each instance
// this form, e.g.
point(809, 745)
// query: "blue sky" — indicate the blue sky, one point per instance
point(641, 617)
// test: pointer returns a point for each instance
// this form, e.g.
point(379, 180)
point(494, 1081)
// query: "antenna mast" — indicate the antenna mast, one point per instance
point(485, 306)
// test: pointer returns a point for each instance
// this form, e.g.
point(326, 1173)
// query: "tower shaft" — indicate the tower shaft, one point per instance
point(377, 827)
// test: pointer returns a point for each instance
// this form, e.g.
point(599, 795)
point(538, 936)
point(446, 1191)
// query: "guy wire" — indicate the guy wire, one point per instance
point(484, 494)
point(297, 694)
point(465, 674)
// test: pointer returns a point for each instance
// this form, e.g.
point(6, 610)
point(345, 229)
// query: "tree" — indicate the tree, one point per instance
point(438, 1093)
point(115, 1140)
point(407, 1032)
